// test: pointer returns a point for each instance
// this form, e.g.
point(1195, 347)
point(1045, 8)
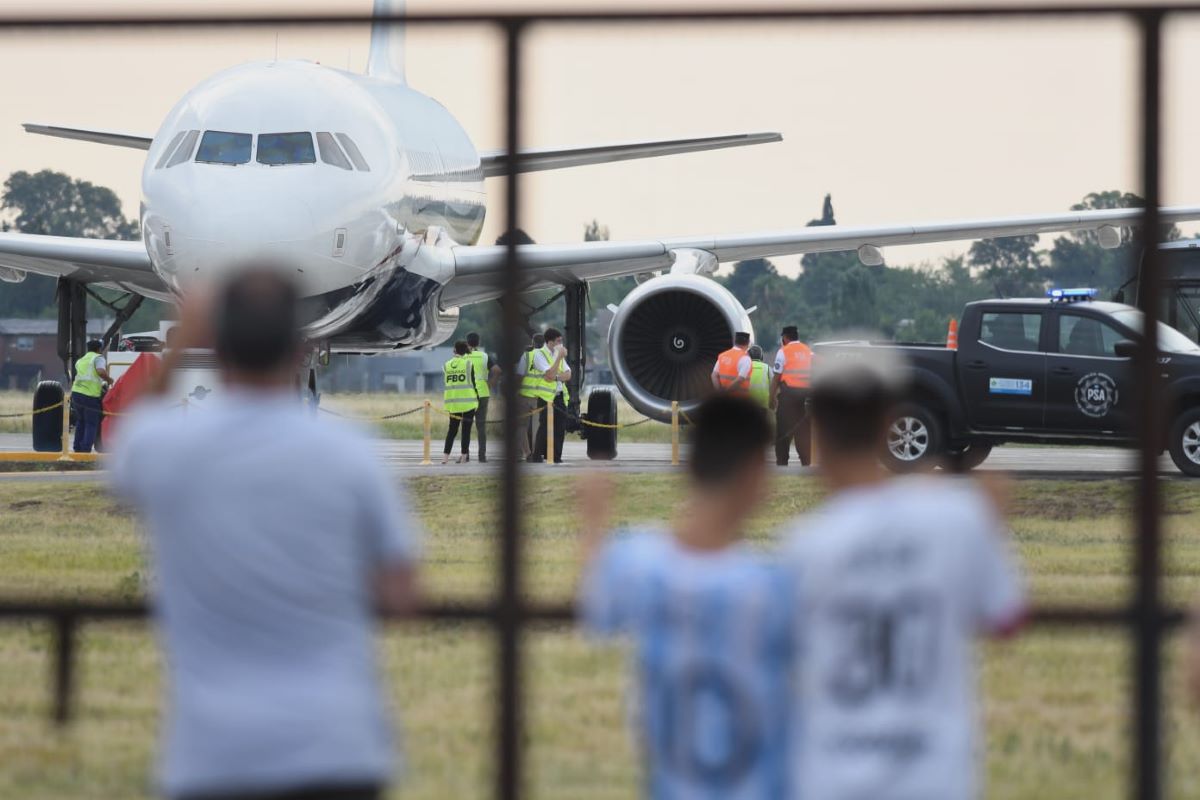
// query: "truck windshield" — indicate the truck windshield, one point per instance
point(1169, 339)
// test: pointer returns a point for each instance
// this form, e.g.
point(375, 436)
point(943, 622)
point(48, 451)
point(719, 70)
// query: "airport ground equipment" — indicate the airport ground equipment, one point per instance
point(1055, 370)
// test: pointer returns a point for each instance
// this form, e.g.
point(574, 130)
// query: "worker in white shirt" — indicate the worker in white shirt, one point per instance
point(550, 366)
point(895, 577)
point(526, 397)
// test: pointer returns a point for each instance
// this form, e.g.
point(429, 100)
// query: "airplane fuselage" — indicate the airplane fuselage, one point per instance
point(330, 174)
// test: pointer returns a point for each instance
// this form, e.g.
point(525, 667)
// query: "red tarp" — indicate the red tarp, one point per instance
point(125, 392)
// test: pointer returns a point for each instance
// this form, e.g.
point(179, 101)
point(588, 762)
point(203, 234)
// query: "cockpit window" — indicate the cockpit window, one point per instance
point(222, 147)
point(355, 154)
point(184, 151)
point(275, 149)
point(330, 152)
point(162, 162)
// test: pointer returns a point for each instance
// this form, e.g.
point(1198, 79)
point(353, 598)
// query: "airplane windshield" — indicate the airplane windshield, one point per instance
point(222, 147)
point(275, 149)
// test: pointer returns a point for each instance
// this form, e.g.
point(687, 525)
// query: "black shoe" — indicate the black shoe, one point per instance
point(534, 460)
point(781, 463)
point(483, 458)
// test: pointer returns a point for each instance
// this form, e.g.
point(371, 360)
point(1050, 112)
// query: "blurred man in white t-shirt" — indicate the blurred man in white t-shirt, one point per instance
point(895, 577)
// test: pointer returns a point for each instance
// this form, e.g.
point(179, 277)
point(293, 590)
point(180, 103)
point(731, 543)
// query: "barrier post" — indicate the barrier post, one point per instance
point(674, 433)
point(428, 433)
point(550, 431)
point(66, 433)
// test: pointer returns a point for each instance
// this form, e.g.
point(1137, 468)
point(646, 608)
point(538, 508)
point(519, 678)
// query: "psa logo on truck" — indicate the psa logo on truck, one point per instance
point(1095, 394)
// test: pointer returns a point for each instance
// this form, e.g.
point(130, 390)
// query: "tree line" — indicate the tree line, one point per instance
point(830, 292)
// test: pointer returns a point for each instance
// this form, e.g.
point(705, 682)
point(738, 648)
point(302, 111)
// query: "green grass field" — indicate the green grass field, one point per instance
point(369, 409)
point(1055, 701)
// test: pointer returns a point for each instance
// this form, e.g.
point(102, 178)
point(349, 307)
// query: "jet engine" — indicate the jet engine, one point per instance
point(665, 338)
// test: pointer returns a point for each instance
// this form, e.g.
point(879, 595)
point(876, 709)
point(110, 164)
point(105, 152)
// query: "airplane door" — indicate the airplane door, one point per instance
point(1089, 386)
point(1003, 372)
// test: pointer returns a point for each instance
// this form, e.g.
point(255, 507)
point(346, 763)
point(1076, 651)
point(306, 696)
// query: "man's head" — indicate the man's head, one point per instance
point(256, 329)
point(790, 334)
point(538, 340)
point(852, 400)
point(729, 435)
point(473, 339)
point(741, 339)
point(95, 346)
point(553, 337)
point(461, 348)
point(755, 352)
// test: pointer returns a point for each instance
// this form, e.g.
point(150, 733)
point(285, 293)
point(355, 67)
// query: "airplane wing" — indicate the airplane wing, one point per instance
point(562, 157)
point(106, 262)
point(118, 138)
point(478, 269)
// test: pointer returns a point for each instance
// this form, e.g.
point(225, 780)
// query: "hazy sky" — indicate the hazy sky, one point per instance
point(899, 121)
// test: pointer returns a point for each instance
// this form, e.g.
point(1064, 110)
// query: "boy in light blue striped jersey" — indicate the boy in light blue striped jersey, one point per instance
point(710, 620)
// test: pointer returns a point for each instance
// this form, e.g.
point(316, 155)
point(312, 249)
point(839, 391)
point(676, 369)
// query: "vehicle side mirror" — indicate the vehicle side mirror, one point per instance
point(1125, 349)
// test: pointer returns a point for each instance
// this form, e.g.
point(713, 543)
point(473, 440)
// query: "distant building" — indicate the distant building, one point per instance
point(409, 372)
point(29, 351)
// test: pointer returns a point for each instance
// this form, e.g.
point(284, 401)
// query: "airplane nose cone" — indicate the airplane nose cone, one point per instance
point(279, 229)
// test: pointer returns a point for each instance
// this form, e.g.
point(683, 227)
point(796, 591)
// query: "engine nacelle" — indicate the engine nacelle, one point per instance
point(665, 338)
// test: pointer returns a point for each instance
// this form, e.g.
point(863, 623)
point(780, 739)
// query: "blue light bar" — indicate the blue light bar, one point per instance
point(1070, 295)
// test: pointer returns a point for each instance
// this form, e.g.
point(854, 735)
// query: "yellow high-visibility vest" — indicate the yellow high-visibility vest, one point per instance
point(534, 385)
point(87, 380)
point(459, 392)
point(760, 383)
point(479, 362)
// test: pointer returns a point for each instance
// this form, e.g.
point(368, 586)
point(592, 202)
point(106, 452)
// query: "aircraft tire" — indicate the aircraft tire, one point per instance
point(602, 442)
point(47, 426)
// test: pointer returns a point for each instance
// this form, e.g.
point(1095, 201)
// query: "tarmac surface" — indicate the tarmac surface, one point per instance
point(404, 459)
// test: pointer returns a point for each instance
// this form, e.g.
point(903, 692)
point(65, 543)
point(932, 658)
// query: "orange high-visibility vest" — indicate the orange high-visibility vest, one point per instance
point(797, 365)
point(727, 370)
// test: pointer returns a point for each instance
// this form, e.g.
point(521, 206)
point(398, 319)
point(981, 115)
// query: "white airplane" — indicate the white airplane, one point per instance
point(375, 195)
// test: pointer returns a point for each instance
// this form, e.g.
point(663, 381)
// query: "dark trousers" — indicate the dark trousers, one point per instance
point(87, 421)
point(481, 426)
point(792, 426)
point(468, 417)
point(365, 792)
point(560, 428)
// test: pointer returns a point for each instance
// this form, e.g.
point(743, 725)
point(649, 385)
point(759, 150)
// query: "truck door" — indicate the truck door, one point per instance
point(1089, 387)
point(1002, 370)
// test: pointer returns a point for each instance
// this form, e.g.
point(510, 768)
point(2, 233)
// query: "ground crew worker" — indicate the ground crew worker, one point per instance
point(527, 396)
point(550, 366)
point(731, 373)
point(789, 397)
point(485, 373)
point(760, 377)
point(91, 376)
point(460, 400)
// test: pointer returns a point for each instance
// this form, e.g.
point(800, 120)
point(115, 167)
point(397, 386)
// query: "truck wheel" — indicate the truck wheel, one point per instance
point(602, 442)
point(1184, 444)
point(47, 426)
point(965, 459)
point(914, 440)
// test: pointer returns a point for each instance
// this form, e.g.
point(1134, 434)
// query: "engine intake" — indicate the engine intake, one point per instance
point(665, 338)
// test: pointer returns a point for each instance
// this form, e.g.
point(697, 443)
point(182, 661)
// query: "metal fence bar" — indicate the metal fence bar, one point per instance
point(1146, 778)
point(510, 618)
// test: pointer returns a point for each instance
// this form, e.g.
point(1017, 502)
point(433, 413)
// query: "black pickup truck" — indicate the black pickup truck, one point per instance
point(1040, 370)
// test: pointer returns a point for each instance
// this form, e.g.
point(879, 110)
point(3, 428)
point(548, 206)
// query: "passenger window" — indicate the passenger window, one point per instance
point(275, 149)
point(175, 140)
point(355, 154)
point(184, 151)
point(222, 147)
point(1085, 336)
point(330, 152)
point(1012, 331)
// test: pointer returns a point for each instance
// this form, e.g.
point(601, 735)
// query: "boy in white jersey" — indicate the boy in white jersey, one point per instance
point(709, 619)
point(894, 577)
